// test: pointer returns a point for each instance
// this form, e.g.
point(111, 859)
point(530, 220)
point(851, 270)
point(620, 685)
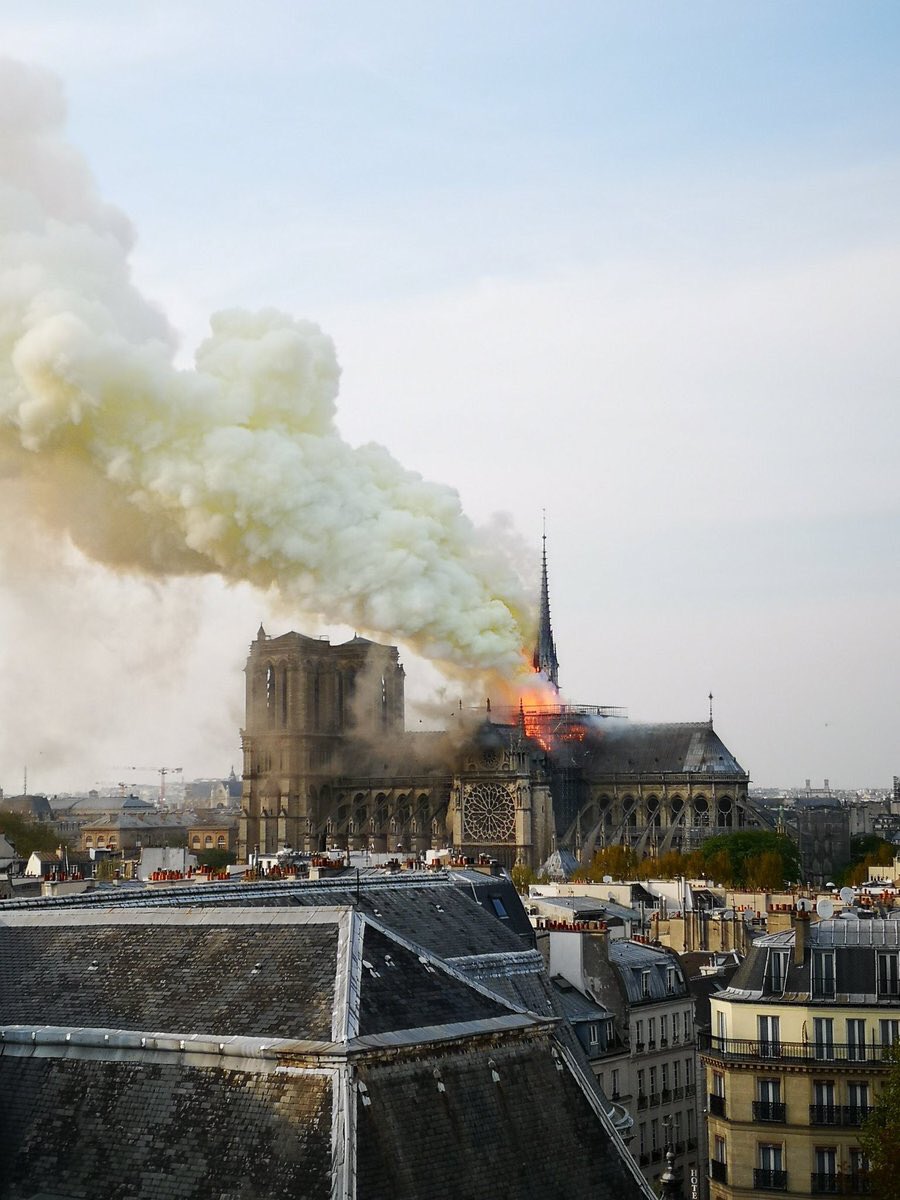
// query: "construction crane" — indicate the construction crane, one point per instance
point(162, 772)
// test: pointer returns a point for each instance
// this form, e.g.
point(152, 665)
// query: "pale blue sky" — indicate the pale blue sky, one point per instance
point(634, 262)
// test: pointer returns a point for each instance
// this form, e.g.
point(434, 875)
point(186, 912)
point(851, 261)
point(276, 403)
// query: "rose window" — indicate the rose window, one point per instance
point(489, 812)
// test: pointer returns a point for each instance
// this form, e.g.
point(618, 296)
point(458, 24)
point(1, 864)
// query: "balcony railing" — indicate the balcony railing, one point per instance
point(769, 1110)
point(825, 1183)
point(770, 1181)
point(718, 1171)
point(836, 1183)
point(837, 1114)
point(741, 1050)
point(716, 1105)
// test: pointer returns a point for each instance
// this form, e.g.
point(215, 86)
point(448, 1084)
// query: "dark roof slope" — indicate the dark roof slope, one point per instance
point(402, 990)
point(620, 748)
point(227, 979)
point(499, 1120)
point(71, 1127)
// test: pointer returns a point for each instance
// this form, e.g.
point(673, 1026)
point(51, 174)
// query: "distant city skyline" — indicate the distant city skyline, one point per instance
point(635, 266)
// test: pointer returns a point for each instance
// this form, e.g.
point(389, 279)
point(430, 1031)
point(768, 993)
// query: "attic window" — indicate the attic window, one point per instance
point(499, 908)
point(645, 985)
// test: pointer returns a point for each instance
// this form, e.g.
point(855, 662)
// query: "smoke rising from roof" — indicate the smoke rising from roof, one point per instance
point(234, 467)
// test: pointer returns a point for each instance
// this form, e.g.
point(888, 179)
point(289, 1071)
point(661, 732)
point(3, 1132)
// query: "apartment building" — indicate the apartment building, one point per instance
point(796, 1056)
point(646, 1060)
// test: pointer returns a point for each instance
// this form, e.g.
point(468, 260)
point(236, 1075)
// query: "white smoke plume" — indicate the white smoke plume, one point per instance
point(234, 467)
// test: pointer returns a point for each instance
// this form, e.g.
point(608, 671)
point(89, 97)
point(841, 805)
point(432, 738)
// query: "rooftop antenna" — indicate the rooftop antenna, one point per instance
point(710, 710)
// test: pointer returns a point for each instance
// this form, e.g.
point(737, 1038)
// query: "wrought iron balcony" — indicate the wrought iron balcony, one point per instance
point(769, 1110)
point(770, 1181)
point(718, 1171)
point(716, 1105)
point(825, 1183)
point(837, 1183)
point(746, 1050)
point(837, 1114)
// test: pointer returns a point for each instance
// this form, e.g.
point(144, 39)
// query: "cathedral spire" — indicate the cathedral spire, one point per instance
point(545, 659)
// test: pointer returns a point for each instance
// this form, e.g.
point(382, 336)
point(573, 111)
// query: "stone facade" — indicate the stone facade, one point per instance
point(328, 763)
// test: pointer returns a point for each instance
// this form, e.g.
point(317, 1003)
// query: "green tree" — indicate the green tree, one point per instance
point(618, 861)
point(726, 856)
point(880, 1135)
point(217, 859)
point(28, 836)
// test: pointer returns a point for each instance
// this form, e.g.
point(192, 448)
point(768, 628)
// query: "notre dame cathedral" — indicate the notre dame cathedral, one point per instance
point(328, 762)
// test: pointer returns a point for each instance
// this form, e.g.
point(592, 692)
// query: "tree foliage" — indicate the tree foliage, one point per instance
point(28, 836)
point(866, 851)
point(880, 1135)
point(751, 858)
point(620, 862)
point(217, 859)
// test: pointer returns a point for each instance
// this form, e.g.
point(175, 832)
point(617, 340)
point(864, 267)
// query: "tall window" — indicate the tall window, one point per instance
point(823, 982)
point(777, 973)
point(641, 1076)
point(858, 1096)
point(771, 1157)
point(888, 976)
point(664, 1030)
point(890, 1032)
point(676, 1027)
point(823, 1037)
point(645, 984)
point(671, 980)
point(768, 1106)
point(719, 1150)
point(721, 1025)
point(651, 1031)
point(856, 1039)
point(769, 1035)
point(676, 1074)
point(826, 1168)
point(639, 1034)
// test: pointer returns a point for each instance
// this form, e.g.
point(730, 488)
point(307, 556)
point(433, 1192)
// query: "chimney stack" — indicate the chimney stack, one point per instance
point(801, 925)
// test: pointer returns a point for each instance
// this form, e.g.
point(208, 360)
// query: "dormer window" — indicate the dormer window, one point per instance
point(777, 972)
point(823, 973)
point(888, 976)
point(645, 985)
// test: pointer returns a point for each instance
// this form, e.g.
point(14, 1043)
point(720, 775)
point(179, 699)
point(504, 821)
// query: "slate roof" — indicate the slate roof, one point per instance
point(621, 748)
point(81, 969)
point(856, 945)
point(151, 1131)
point(515, 1117)
point(632, 959)
point(285, 1051)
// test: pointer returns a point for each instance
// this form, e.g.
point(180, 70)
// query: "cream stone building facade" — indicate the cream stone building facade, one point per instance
point(796, 1057)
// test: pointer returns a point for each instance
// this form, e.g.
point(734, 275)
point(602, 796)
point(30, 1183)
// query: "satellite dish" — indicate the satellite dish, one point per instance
point(607, 878)
point(804, 905)
point(847, 895)
point(849, 915)
point(728, 914)
point(825, 909)
point(748, 916)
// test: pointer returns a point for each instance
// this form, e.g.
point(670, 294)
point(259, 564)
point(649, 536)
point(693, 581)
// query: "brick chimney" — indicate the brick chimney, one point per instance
point(801, 926)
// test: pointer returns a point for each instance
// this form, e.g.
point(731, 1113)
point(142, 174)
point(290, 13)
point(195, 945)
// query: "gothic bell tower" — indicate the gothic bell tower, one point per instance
point(306, 703)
